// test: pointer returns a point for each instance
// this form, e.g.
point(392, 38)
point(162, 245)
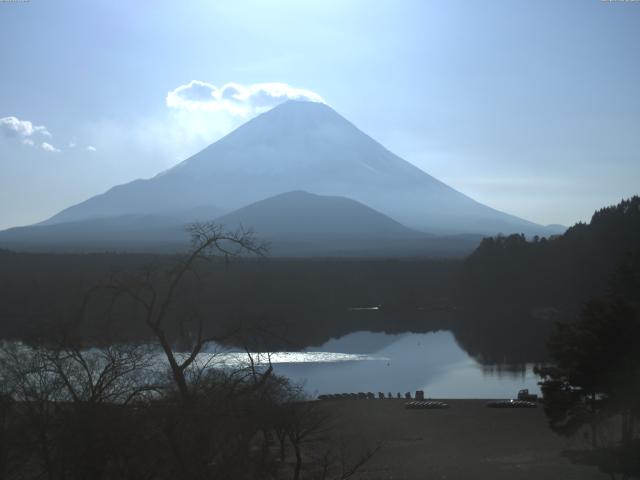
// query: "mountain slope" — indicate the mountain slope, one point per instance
point(295, 224)
point(142, 233)
point(300, 223)
point(301, 146)
point(302, 215)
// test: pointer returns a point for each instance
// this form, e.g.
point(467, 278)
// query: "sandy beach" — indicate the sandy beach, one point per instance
point(466, 441)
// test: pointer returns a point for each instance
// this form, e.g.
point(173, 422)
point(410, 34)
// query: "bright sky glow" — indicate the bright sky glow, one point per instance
point(529, 107)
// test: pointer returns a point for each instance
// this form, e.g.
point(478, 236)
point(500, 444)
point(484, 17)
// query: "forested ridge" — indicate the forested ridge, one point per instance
point(511, 290)
point(563, 270)
point(501, 302)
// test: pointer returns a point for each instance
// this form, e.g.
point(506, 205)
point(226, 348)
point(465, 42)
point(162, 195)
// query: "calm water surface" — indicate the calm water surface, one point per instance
point(377, 362)
point(433, 362)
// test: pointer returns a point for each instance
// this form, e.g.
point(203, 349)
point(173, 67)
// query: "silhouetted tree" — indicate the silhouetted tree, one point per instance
point(118, 411)
point(155, 292)
point(594, 379)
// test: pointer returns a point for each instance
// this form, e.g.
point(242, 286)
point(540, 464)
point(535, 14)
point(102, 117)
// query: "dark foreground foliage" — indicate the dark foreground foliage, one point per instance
point(513, 288)
point(145, 411)
point(592, 384)
point(116, 414)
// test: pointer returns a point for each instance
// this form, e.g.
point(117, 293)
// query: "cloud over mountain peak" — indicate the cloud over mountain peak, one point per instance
point(234, 98)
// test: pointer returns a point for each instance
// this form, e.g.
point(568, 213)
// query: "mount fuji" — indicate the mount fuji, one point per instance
point(296, 146)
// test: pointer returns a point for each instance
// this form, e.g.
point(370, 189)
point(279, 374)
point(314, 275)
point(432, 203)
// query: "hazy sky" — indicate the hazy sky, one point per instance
point(532, 107)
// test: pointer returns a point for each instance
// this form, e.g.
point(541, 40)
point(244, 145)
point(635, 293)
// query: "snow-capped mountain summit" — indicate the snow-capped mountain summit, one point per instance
point(301, 146)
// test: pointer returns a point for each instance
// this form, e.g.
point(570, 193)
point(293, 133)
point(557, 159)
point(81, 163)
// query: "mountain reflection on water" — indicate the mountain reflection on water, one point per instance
point(432, 362)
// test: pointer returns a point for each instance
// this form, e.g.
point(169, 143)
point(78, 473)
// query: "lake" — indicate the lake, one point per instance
point(379, 362)
point(365, 361)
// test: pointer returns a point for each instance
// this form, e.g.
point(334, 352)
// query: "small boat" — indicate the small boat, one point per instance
point(425, 405)
point(511, 404)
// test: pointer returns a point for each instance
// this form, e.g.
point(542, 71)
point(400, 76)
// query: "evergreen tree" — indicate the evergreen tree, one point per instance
point(593, 380)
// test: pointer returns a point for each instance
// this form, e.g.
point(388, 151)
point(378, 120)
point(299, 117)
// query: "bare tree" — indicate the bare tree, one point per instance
point(6, 430)
point(71, 405)
point(309, 427)
point(337, 464)
point(156, 296)
point(116, 412)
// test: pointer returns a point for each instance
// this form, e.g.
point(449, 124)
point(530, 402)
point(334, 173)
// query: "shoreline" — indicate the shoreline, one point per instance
point(466, 440)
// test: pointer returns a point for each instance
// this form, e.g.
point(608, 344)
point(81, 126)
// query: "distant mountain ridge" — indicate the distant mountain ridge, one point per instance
point(299, 223)
point(301, 175)
point(304, 215)
point(302, 146)
point(294, 224)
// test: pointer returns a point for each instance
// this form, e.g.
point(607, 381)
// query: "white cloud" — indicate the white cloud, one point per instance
point(22, 130)
point(199, 114)
point(235, 99)
point(31, 135)
point(47, 147)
